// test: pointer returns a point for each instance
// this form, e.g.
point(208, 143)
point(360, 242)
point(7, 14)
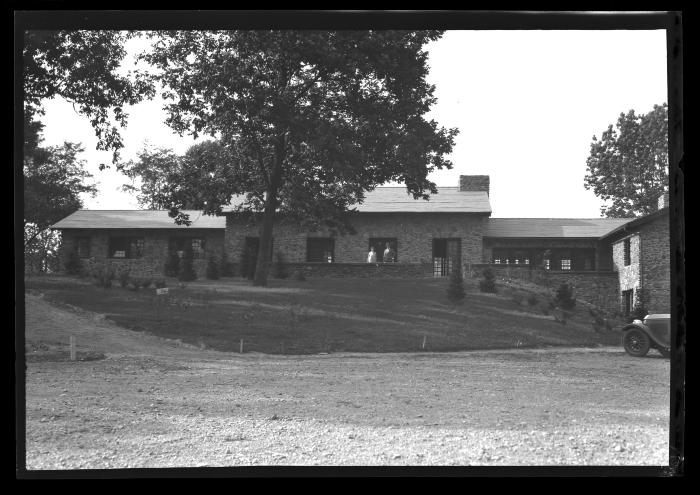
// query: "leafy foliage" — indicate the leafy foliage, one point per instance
point(83, 67)
point(628, 165)
point(227, 268)
point(54, 180)
point(455, 288)
point(212, 271)
point(172, 265)
point(307, 121)
point(488, 283)
point(187, 272)
point(72, 264)
point(103, 276)
point(564, 297)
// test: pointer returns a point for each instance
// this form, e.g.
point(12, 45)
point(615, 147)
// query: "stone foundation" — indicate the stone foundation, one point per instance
point(361, 270)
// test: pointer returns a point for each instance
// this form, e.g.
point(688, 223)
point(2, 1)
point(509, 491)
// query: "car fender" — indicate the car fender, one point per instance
point(641, 326)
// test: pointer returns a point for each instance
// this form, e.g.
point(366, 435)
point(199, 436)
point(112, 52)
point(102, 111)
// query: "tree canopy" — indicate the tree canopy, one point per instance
point(628, 165)
point(310, 120)
point(194, 181)
point(83, 67)
point(54, 179)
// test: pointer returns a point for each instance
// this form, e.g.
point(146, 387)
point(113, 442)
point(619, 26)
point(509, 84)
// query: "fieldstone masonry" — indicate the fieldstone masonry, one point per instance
point(414, 233)
point(474, 183)
point(155, 249)
point(649, 271)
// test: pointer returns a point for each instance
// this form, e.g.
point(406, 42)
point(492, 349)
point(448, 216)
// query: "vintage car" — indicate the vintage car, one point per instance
point(652, 332)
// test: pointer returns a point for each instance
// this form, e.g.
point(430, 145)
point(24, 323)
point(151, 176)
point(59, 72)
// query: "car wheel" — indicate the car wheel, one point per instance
point(636, 342)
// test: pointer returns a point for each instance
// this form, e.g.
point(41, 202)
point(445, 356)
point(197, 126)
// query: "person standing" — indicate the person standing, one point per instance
point(388, 254)
point(372, 255)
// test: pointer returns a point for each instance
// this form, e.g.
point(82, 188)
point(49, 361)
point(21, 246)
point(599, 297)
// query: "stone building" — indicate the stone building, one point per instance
point(425, 238)
point(138, 240)
point(609, 261)
point(641, 255)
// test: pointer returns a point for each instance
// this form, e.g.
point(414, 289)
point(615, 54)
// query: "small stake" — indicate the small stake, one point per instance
point(424, 337)
point(241, 351)
point(72, 347)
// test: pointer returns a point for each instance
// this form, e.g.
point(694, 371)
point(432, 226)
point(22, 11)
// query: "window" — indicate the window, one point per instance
point(546, 264)
point(380, 246)
point(126, 247)
point(320, 249)
point(627, 248)
point(83, 247)
point(180, 244)
point(627, 300)
point(565, 264)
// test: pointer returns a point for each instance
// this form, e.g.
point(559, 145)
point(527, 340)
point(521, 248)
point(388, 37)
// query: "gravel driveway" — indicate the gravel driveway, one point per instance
point(155, 403)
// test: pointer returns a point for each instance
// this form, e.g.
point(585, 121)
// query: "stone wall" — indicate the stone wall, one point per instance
point(656, 264)
point(649, 271)
point(595, 287)
point(155, 249)
point(362, 270)
point(414, 233)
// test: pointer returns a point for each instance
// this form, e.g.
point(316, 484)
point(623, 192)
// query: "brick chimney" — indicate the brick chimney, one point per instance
point(663, 201)
point(474, 183)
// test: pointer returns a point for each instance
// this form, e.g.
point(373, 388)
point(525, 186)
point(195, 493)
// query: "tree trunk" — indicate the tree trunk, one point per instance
point(262, 267)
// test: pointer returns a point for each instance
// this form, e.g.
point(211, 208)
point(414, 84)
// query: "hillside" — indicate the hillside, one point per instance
point(330, 315)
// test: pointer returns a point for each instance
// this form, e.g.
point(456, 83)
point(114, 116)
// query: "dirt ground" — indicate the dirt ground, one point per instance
point(150, 402)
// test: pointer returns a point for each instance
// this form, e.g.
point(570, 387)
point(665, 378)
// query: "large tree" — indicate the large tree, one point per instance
point(628, 165)
point(310, 120)
point(54, 180)
point(161, 178)
point(83, 67)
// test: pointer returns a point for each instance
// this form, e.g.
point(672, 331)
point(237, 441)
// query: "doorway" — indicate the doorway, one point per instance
point(447, 256)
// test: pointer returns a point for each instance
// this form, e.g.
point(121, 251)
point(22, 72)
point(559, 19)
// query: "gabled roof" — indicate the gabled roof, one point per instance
point(136, 219)
point(552, 227)
point(397, 200)
point(636, 222)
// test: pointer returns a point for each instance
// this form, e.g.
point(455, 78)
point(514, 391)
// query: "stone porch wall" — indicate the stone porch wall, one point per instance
point(414, 233)
point(155, 249)
point(595, 287)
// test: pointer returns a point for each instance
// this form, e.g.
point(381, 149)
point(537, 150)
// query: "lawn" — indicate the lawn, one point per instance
point(325, 315)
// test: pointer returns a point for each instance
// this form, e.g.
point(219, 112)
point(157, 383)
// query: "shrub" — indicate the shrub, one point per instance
point(213, 269)
point(598, 321)
point(104, 276)
point(279, 269)
point(159, 283)
point(225, 268)
point(172, 265)
point(187, 272)
point(73, 265)
point(564, 297)
point(639, 312)
point(532, 300)
point(455, 288)
point(146, 282)
point(517, 297)
point(124, 278)
point(299, 275)
point(488, 284)
point(135, 283)
point(246, 267)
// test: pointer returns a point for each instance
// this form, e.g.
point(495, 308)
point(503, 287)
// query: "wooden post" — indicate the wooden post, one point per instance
point(241, 349)
point(423, 346)
point(72, 347)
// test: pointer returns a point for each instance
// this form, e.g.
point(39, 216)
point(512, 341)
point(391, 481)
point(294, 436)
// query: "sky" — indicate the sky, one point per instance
point(527, 104)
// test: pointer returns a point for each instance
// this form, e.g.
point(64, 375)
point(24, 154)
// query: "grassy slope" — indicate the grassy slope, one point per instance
point(325, 315)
